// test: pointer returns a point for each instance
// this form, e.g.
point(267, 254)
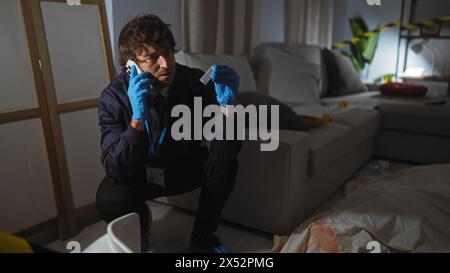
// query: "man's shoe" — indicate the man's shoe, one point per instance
point(222, 249)
point(208, 244)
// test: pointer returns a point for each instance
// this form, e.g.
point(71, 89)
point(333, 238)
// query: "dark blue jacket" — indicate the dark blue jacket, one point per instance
point(125, 149)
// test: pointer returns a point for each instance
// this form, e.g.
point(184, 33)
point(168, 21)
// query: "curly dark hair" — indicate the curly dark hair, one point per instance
point(144, 29)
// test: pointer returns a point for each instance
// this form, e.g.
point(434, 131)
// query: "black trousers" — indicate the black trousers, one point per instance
point(215, 177)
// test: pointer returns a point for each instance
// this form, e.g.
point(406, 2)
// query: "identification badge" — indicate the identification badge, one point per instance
point(155, 176)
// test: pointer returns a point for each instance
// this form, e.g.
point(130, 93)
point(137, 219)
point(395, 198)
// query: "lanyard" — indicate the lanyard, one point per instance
point(154, 146)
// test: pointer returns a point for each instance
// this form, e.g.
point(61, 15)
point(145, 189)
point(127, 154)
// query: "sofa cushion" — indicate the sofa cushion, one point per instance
point(328, 144)
point(239, 63)
point(422, 119)
point(342, 76)
point(288, 78)
point(364, 123)
point(414, 148)
point(180, 58)
point(312, 54)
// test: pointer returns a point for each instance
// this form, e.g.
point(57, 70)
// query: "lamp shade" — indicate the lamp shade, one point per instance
point(418, 47)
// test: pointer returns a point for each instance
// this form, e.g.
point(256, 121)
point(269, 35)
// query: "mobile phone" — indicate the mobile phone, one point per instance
point(128, 66)
point(131, 63)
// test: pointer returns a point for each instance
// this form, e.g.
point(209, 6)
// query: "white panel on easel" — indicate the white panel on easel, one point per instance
point(82, 145)
point(76, 49)
point(26, 193)
point(17, 89)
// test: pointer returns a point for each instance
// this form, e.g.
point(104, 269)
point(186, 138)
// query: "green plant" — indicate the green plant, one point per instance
point(362, 52)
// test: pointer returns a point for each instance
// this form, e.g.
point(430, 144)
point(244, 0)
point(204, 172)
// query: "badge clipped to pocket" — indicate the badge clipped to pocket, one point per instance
point(155, 176)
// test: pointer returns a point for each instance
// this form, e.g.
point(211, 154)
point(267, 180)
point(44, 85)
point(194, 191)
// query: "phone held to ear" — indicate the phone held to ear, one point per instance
point(128, 66)
point(131, 63)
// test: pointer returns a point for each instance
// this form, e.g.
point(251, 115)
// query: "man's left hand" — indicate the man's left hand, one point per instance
point(226, 82)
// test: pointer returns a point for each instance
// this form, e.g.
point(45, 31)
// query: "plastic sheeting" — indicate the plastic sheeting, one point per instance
point(408, 211)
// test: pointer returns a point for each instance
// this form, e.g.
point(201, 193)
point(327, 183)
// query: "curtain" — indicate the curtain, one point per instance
point(309, 22)
point(219, 26)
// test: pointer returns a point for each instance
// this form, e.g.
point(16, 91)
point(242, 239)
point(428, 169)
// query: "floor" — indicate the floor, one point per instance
point(169, 237)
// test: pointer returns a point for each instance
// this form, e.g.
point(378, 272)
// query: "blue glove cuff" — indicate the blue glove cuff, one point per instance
point(138, 117)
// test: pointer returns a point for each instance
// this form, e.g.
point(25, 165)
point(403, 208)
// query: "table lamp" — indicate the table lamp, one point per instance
point(420, 46)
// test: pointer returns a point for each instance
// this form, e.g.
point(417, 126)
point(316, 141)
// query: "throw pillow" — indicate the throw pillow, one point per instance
point(403, 89)
point(288, 78)
point(343, 78)
point(312, 54)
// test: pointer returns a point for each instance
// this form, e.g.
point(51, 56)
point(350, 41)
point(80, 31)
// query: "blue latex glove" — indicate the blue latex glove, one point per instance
point(138, 90)
point(226, 82)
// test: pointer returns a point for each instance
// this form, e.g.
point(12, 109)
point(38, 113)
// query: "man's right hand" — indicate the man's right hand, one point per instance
point(138, 90)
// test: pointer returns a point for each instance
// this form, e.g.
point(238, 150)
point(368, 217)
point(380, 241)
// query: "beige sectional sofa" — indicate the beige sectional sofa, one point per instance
point(276, 191)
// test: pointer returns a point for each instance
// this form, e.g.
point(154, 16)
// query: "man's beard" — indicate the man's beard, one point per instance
point(164, 72)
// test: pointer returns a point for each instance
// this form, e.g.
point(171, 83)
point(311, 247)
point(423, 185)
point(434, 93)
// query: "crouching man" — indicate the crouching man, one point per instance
point(141, 159)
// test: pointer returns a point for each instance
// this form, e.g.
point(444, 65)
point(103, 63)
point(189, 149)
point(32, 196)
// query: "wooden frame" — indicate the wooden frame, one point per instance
point(77, 106)
point(49, 110)
point(20, 115)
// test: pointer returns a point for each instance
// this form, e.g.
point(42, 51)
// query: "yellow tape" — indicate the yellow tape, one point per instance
point(316, 122)
point(343, 104)
point(411, 27)
point(428, 23)
point(397, 23)
point(339, 45)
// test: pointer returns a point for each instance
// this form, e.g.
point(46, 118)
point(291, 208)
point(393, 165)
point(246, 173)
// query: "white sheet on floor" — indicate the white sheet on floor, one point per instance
point(405, 211)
